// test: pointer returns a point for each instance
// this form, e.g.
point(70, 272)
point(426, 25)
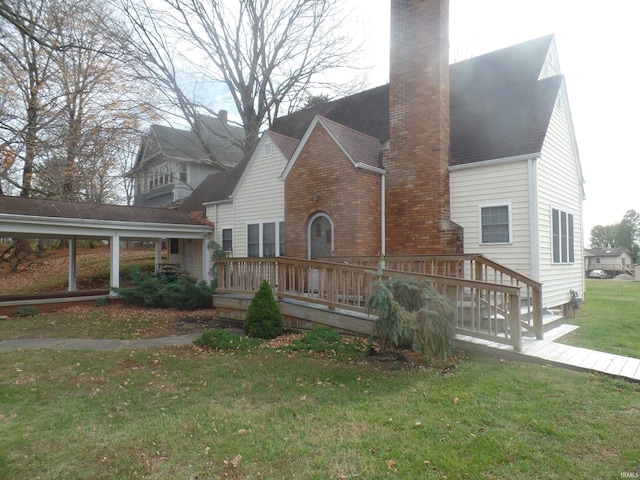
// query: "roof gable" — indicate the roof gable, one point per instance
point(221, 186)
point(360, 149)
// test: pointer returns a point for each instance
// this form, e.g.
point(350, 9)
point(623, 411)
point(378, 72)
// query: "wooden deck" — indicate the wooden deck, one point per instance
point(548, 352)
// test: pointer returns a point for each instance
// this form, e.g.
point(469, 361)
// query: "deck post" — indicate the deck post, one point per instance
point(73, 286)
point(514, 317)
point(115, 265)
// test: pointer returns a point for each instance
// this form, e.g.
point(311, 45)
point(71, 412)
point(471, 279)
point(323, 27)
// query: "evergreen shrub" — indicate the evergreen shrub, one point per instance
point(263, 319)
point(166, 290)
point(411, 311)
point(27, 311)
point(318, 339)
point(224, 340)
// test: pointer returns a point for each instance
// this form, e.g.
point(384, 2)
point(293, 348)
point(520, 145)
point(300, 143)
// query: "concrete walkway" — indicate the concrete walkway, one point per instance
point(92, 344)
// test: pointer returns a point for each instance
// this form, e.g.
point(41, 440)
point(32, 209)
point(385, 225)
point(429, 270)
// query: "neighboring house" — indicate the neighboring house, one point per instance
point(613, 261)
point(172, 162)
point(392, 170)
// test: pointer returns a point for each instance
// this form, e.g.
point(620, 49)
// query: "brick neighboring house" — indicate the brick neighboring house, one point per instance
point(476, 157)
point(172, 162)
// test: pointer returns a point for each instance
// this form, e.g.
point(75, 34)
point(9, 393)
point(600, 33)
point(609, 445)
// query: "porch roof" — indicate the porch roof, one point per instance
point(33, 217)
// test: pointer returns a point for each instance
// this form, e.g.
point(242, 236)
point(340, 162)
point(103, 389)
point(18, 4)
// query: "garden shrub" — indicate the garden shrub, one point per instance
point(27, 311)
point(166, 290)
point(263, 319)
point(326, 340)
point(101, 302)
point(318, 339)
point(224, 340)
point(409, 310)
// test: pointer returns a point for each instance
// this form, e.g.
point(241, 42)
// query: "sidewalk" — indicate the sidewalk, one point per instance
point(90, 344)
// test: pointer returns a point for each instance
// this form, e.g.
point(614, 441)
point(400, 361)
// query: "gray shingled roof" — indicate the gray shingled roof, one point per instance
point(184, 144)
point(605, 252)
point(499, 108)
point(361, 148)
point(38, 207)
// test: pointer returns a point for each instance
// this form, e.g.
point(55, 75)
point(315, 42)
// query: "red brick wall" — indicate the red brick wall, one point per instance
point(349, 196)
point(418, 209)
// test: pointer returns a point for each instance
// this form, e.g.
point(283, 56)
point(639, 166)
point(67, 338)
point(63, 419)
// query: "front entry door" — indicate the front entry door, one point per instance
point(320, 237)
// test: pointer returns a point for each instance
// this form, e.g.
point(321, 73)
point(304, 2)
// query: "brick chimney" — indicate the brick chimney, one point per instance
point(417, 191)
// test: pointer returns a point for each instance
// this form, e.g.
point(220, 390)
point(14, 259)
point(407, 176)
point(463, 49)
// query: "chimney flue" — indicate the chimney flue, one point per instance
point(418, 176)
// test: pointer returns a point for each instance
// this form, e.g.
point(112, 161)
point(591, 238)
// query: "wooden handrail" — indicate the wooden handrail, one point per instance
point(483, 309)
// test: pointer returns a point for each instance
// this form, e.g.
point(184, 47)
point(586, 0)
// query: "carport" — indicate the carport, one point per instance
point(42, 218)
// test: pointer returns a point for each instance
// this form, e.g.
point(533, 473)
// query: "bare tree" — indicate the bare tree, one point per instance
point(66, 113)
point(270, 54)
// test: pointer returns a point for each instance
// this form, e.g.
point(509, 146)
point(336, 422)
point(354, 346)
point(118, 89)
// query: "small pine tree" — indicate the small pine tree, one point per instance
point(263, 319)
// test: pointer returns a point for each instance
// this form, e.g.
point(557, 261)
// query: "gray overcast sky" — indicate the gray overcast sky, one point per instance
point(597, 45)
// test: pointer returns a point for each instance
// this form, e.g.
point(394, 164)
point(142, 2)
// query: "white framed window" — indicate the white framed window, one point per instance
point(563, 238)
point(265, 239)
point(495, 224)
point(227, 240)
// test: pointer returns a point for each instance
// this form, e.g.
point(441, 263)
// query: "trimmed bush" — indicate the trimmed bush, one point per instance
point(319, 339)
point(224, 340)
point(263, 319)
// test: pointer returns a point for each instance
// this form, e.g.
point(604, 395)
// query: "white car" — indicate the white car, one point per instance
point(598, 274)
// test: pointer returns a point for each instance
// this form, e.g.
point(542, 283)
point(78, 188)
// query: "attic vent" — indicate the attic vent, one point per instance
point(268, 149)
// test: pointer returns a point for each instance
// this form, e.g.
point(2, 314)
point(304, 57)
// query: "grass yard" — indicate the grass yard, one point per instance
point(272, 413)
point(610, 318)
point(184, 413)
point(275, 413)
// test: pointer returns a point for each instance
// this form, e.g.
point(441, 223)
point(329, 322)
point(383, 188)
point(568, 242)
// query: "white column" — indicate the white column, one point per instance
point(72, 265)
point(158, 256)
point(115, 264)
point(206, 259)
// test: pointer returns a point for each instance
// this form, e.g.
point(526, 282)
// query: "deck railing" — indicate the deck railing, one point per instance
point(484, 309)
point(469, 267)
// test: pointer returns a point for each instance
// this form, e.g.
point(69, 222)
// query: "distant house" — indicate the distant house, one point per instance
point(613, 261)
point(172, 162)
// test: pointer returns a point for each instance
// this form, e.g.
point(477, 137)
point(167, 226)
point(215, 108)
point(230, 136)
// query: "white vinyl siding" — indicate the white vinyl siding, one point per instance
point(258, 198)
point(560, 189)
point(493, 185)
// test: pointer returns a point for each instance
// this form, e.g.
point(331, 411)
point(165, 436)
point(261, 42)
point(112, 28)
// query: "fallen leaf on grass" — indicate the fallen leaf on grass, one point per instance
point(392, 465)
point(234, 463)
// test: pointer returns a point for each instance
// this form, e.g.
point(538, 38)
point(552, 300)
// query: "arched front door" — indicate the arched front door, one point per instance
point(320, 237)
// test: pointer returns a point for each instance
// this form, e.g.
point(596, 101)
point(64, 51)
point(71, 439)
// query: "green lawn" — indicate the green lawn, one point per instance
point(272, 413)
point(610, 318)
